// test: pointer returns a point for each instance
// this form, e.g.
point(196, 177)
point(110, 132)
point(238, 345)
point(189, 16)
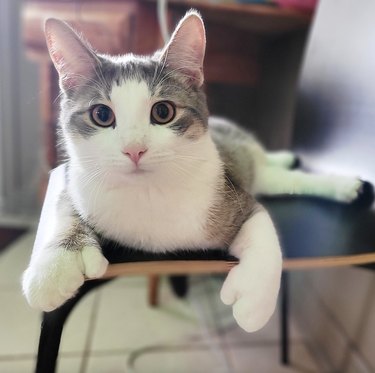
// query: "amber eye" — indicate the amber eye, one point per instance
point(163, 112)
point(102, 115)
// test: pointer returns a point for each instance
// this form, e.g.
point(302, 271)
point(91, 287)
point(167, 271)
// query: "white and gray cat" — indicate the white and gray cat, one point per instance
point(148, 168)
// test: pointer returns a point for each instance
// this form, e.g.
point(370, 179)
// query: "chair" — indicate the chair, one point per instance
point(333, 131)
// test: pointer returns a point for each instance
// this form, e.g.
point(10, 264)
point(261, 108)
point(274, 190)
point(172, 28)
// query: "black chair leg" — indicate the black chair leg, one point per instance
point(284, 319)
point(52, 326)
point(180, 285)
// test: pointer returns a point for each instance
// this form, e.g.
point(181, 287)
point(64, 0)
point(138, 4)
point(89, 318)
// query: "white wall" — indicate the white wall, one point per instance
point(19, 117)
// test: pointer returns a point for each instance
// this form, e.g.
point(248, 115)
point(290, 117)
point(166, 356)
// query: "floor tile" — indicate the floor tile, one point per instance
point(269, 333)
point(126, 321)
point(14, 261)
point(333, 286)
point(265, 359)
point(331, 344)
point(180, 361)
point(69, 364)
point(19, 325)
point(355, 363)
point(17, 366)
point(112, 363)
point(77, 326)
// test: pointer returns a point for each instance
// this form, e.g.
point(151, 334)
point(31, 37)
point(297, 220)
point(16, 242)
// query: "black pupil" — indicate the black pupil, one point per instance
point(103, 113)
point(162, 111)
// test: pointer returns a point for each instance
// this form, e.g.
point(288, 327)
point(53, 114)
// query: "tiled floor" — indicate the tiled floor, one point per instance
point(113, 330)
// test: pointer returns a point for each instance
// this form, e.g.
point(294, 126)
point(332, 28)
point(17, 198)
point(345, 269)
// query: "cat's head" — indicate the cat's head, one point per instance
point(131, 114)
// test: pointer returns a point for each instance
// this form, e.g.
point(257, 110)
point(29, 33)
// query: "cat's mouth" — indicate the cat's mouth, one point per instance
point(139, 171)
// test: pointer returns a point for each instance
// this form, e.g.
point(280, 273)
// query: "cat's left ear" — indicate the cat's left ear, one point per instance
point(185, 51)
point(73, 58)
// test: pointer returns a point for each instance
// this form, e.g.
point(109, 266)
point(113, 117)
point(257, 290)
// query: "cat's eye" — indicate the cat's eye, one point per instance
point(163, 112)
point(102, 115)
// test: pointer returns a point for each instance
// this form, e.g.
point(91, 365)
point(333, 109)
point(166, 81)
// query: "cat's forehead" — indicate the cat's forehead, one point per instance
point(131, 99)
point(126, 71)
point(121, 70)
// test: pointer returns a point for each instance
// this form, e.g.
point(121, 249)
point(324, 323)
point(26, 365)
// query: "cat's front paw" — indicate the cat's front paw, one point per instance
point(348, 189)
point(253, 295)
point(55, 276)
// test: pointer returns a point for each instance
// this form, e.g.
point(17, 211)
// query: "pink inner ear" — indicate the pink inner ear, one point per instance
point(69, 77)
point(73, 60)
point(185, 51)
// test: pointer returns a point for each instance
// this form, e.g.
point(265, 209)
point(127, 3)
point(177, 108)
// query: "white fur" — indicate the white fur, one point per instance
point(176, 188)
point(55, 276)
point(271, 180)
point(282, 159)
point(252, 286)
point(54, 273)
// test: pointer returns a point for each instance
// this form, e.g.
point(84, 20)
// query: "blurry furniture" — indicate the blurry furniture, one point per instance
point(333, 132)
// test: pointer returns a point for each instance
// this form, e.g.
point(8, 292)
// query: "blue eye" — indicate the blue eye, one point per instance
point(102, 115)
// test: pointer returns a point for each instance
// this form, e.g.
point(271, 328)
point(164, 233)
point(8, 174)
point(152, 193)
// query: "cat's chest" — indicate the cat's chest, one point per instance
point(150, 218)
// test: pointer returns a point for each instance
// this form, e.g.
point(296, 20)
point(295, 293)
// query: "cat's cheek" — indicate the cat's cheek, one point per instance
point(97, 150)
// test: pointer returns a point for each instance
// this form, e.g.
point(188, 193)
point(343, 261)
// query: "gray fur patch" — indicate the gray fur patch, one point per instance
point(79, 234)
point(81, 124)
point(237, 149)
point(233, 206)
point(78, 237)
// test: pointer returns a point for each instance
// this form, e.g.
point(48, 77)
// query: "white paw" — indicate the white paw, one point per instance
point(94, 263)
point(347, 189)
point(252, 290)
point(57, 274)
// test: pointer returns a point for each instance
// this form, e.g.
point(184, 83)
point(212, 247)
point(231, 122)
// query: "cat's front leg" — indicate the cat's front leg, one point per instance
point(60, 263)
point(252, 286)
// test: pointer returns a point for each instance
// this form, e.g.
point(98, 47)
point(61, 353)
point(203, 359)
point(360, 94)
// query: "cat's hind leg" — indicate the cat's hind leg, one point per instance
point(282, 159)
point(271, 180)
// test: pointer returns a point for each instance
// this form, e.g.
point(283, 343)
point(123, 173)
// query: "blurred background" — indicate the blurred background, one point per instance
point(21, 145)
point(253, 64)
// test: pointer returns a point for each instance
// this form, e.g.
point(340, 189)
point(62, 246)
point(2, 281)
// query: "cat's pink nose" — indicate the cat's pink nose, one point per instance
point(135, 152)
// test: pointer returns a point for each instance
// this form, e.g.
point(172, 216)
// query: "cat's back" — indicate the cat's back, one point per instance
point(239, 150)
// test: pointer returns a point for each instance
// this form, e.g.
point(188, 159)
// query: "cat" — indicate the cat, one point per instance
point(148, 168)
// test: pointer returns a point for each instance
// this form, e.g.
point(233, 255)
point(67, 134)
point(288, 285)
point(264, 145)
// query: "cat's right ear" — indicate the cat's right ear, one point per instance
point(74, 60)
